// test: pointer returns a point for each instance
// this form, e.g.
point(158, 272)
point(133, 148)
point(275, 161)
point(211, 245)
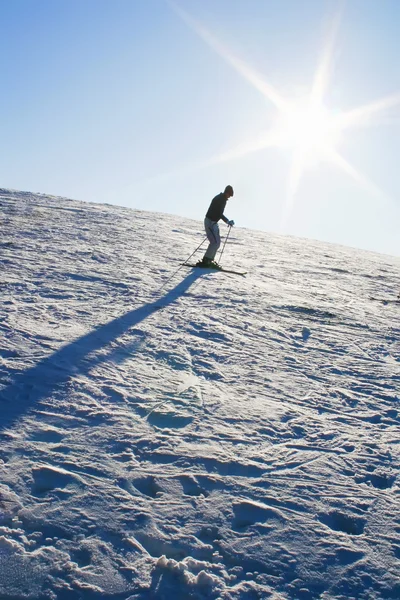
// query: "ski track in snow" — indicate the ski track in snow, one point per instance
point(184, 434)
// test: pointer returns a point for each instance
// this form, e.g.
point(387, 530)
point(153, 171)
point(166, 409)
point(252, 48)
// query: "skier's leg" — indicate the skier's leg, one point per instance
point(212, 231)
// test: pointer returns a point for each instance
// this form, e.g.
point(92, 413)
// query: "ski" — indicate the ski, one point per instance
point(243, 273)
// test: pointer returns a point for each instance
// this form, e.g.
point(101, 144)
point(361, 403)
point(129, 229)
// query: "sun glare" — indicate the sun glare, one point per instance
point(309, 129)
point(305, 128)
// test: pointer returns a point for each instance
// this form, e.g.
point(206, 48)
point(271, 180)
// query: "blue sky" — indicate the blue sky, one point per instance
point(154, 105)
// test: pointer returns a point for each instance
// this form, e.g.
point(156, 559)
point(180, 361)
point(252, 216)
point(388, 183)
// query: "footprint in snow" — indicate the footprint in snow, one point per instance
point(381, 481)
point(169, 420)
point(51, 436)
point(47, 478)
point(249, 513)
point(147, 486)
point(81, 556)
point(191, 486)
point(339, 521)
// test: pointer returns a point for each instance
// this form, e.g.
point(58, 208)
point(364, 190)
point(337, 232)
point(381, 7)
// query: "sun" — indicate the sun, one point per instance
point(304, 128)
point(308, 128)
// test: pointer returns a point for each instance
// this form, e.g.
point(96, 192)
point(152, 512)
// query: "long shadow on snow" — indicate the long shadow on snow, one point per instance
point(49, 374)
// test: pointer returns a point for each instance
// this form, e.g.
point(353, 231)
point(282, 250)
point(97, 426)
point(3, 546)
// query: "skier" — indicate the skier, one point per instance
point(214, 214)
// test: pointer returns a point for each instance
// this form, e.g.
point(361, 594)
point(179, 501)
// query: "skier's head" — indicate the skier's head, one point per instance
point(228, 191)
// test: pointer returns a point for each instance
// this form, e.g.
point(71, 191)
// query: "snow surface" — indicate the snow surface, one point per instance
point(174, 434)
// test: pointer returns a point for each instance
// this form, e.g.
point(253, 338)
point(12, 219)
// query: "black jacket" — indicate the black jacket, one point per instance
point(216, 209)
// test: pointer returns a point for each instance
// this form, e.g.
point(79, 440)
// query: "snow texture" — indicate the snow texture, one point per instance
point(177, 434)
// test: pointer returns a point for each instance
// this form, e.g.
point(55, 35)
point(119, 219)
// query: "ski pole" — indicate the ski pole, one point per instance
point(180, 267)
point(198, 248)
point(226, 239)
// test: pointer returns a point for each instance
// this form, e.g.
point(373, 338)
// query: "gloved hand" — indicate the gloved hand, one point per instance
point(231, 223)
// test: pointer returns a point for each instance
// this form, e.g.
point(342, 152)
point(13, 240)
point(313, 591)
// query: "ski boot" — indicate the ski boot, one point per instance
point(214, 265)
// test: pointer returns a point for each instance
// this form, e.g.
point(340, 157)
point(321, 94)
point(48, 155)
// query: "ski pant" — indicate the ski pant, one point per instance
point(212, 231)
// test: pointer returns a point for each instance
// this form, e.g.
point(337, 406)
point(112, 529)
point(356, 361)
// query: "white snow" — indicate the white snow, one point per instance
point(175, 434)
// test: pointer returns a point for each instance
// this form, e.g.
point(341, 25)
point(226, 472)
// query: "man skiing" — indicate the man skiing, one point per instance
point(214, 214)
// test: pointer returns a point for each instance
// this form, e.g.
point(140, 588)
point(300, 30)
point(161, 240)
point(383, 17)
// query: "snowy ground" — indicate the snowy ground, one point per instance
point(217, 437)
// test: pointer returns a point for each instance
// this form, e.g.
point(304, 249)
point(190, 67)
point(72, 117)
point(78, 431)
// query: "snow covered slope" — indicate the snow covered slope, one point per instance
point(175, 434)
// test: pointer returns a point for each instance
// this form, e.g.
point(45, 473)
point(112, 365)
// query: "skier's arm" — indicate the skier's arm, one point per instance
point(229, 222)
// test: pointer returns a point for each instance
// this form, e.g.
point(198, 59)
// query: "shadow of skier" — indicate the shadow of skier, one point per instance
point(45, 378)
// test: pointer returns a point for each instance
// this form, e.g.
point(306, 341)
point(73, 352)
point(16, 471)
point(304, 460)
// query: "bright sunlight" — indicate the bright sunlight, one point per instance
point(308, 128)
point(305, 128)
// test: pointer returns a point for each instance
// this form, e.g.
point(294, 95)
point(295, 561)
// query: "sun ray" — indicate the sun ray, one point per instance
point(305, 127)
point(247, 72)
point(322, 128)
point(322, 74)
point(266, 140)
point(362, 114)
point(361, 179)
point(295, 175)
